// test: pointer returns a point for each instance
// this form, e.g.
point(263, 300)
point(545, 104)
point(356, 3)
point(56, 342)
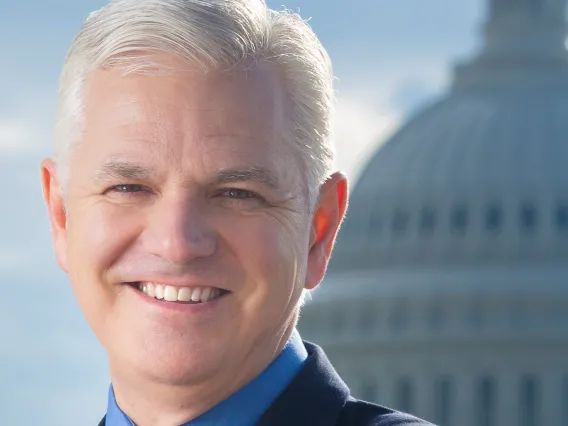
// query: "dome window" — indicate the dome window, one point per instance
point(400, 221)
point(427, 220)
point(565, 401)
point(562, 217)
point(494, 218)
point(459, 219)
point(529, 401)
point(443, 401)
point(486, 404)
point(528, 218)
point(405, 395)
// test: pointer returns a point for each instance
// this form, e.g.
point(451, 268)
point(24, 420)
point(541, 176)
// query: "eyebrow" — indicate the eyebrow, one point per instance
point(120, 169)
point(248, 174)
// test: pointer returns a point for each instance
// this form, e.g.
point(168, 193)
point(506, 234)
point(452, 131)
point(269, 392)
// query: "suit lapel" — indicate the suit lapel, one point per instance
point(103, 421)
point(314, 398)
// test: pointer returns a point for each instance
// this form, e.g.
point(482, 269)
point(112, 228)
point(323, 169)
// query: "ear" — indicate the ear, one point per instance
point(53, 196)
point(329, 212)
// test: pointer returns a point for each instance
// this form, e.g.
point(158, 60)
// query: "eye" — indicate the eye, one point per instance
point(127, 188)
point(241, 194)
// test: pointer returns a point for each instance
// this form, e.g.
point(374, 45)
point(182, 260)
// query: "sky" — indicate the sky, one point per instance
point(390, 57)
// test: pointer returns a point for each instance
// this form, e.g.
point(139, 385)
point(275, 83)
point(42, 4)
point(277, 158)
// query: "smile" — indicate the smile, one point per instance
point(170, 293)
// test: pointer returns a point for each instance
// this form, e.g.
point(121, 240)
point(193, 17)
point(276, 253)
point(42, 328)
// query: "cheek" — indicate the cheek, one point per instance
point(97, 235)
point(272, 252)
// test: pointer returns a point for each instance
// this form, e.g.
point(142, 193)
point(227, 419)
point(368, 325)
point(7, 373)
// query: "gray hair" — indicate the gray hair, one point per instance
point(211, 34)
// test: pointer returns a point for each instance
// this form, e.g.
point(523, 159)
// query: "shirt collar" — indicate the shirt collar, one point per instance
point(115, 416)
point(244, 407)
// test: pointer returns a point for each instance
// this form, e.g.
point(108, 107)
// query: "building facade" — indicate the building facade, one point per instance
point(447, 295)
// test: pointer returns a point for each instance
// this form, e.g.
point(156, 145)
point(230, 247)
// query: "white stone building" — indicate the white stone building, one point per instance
point(447, 295)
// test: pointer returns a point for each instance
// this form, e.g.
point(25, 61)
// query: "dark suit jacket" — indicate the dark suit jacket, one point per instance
point(318, 397)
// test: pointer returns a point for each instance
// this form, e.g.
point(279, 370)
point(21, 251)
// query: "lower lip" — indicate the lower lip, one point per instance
point(190, 308)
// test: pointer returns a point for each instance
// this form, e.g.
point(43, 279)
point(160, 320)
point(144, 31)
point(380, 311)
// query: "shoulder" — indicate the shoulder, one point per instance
point(361, 413)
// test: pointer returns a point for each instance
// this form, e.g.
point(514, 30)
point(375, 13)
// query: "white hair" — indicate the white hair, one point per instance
point(212, 35)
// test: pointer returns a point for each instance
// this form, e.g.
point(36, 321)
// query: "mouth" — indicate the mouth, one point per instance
point(182, 295)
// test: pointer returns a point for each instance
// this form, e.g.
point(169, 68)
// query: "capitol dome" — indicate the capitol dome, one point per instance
point(482, 175)
point(447, 292)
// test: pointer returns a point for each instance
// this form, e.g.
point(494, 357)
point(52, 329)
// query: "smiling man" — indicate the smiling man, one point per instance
point(192, 203)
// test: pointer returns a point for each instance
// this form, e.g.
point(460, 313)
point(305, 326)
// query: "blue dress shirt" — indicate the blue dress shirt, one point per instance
point(247, 405)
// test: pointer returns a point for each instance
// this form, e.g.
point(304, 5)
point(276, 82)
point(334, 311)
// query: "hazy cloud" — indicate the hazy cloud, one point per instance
point(13, 259)
point(360, 128)
point(26, 123)
point(15, 137)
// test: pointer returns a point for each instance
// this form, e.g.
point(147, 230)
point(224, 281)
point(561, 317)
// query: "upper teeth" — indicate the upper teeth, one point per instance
point(170, 293)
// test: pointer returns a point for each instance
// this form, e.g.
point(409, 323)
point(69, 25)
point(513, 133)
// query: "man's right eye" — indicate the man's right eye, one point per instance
point(127, 191)
point(127, 188)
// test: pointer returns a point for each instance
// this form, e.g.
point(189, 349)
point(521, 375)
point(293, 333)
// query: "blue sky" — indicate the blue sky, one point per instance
point(389, 56)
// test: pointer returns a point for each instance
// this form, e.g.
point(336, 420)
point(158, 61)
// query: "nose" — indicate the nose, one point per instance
point(178, 231)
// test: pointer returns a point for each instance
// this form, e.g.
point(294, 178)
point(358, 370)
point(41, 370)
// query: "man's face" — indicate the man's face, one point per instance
point(182, 186)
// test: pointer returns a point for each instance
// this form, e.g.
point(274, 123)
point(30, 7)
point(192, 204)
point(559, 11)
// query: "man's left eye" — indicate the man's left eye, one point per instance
point(239, 193)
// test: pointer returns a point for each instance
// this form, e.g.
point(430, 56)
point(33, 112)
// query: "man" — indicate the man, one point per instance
point(192, 204)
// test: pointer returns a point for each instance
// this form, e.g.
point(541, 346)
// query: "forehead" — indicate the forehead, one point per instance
point(187, 114)
point(251, 98)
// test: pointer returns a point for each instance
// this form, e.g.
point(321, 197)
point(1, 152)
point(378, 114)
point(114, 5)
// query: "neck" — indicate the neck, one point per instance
point(151, 403)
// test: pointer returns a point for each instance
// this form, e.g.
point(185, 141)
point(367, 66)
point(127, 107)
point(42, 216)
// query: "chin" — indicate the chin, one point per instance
point(175, 364)
point(176, 374)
